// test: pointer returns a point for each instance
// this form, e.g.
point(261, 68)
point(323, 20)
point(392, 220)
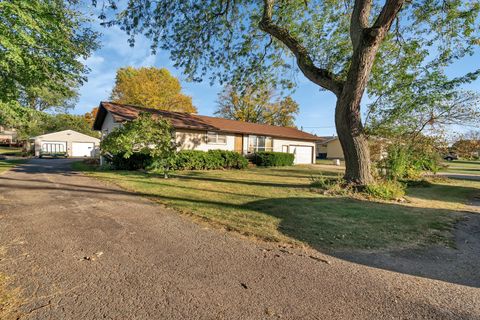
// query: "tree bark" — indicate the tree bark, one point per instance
point(347, 111)
point(354, 143)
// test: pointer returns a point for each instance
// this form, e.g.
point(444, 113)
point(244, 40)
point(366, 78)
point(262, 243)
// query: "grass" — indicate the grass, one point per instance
point(9, 297)
point(327, 162)
point(9, 300)
point(277, 204)
point(7, 164)
point(11, 151)
point(463, 166)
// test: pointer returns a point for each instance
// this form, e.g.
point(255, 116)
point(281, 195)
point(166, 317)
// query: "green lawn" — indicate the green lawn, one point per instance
point(277, 204)
point(462, 166)
point(11, 151)
point(7, 164)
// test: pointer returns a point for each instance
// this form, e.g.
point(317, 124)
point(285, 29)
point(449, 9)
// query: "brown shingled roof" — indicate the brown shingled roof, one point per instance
point(180, 120)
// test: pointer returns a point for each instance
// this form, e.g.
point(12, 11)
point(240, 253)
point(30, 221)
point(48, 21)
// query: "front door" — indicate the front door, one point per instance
point(239, 143)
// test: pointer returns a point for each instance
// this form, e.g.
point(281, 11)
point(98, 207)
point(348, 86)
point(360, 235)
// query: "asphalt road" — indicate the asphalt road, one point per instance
point(81, 249)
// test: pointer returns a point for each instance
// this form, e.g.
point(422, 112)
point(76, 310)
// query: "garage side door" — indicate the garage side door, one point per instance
point(83, 149)
point(303, 155)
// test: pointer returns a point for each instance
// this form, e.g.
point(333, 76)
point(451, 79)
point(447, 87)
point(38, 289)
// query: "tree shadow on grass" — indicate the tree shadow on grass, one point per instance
point(444, 192)
point(333, 224)
point(243, 182)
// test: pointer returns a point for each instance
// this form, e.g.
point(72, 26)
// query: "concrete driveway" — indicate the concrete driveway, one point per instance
point(81, 249)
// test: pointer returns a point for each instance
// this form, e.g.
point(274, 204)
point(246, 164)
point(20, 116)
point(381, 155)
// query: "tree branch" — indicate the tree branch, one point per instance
point(322, 77)
point(387, 15)
point(359, 20)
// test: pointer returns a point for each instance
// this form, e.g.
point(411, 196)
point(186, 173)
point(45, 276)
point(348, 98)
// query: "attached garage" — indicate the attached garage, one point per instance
point(67, 143)
point(303, 154)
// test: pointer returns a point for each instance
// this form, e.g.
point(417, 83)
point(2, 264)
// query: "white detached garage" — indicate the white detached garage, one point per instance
point(65, 143)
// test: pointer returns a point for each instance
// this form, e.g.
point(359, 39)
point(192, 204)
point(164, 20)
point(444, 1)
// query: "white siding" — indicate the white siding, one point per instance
point(109, 124)
point(196, 140)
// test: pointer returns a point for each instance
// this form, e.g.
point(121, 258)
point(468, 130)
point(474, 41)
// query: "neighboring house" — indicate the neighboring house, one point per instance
point(8, 135)
point(329, 147)
point(205, 133)
point(68, 142)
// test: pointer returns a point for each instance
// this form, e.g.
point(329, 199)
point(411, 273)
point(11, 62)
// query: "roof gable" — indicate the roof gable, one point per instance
point(180, 120)
point(68, 131)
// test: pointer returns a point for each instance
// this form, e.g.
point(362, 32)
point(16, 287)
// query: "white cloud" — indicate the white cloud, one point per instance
point(94, 61)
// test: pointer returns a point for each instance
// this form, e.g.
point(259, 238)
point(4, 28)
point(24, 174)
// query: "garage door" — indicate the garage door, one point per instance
point(83, 149)
point(303, 155)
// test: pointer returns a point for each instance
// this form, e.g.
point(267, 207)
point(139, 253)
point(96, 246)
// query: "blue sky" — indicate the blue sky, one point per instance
point(316, 106)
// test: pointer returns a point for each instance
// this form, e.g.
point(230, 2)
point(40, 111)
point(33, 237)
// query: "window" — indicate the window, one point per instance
point(216, 138)
point(260, 143)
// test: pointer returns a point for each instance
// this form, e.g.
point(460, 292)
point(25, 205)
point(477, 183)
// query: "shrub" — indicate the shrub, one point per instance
point(321, 182)
point(386, 190)
point(330, 185)
point(407, 162)
point(136, 161)
point(212, 159)
point(273, 159)
point(184, 160)
point(229, 159)
point(190, 160)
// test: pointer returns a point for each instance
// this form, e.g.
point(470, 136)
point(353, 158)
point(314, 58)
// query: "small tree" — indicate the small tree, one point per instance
point(148, 135)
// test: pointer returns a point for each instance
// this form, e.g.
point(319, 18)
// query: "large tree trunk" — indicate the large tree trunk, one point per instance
point(347, 112)
point(354, 143)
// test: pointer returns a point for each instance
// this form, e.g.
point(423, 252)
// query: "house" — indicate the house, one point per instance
point(329, 147)
point(196, 132)
point(8, 135)
point(65, 143)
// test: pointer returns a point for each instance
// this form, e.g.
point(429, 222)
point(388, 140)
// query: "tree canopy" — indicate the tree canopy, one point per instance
point(436, 106)
point(227, 40)
point(90, 116)
point(151, 88)
point(29, 122)
point(258, 105)
point(42, 50)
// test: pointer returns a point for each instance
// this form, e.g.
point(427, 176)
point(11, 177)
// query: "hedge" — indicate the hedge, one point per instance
point(273, 159)
point(212, 159)
point(135, 162)
point(185, 160)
